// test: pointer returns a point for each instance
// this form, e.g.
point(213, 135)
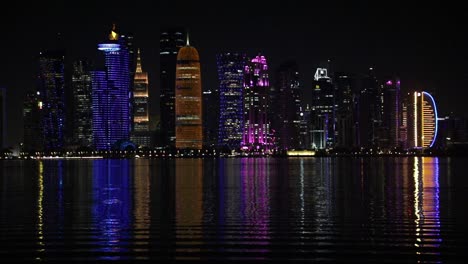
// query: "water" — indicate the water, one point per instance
point(235, 210)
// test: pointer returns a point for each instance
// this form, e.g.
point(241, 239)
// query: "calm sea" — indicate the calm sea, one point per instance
point(375, 210)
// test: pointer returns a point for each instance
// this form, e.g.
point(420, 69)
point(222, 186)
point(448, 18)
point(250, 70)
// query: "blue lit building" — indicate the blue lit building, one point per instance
point(51, 98)
point(111, 95)
point(231, 104)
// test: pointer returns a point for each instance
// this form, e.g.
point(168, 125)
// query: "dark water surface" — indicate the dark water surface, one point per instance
point(374, 210)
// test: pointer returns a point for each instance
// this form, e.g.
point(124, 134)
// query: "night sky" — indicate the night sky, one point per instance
point(426, 45)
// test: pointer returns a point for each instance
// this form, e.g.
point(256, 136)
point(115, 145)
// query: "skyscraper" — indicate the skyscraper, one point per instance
point(210, 117)
point(51, 93)
point(3, 126)
point(171, 40)
point(188, 101)
point(323, 111)
point(111, 95)
point(370, 111)
point(346, 111)
point(82, 92)
point(286, 107)
point(32, 138)
point(391, 113)
point(256, 137)
point(231, 104)
point(422, 120)
point(141, 132)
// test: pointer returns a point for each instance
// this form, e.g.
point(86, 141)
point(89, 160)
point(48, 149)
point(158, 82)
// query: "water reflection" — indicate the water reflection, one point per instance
point(141, 211)
point(112, 207)
point(335, 209)
point(426, 204)
point(189, 209)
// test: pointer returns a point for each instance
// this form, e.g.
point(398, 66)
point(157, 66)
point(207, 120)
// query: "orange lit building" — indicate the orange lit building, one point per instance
point(141, 132)
point(188, 103)
point(422, 130)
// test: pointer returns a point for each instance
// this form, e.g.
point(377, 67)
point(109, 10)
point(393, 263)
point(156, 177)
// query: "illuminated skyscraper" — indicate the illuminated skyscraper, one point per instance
point(141, 133)
point(51, 94)
point(111, 95)
point(422, 120)
point(188, 101)
point(231, 104)
point(285, 107)
point(256, 85)
point(391, 113)
point(323, 111)
point(171, 40)
point(82, 92)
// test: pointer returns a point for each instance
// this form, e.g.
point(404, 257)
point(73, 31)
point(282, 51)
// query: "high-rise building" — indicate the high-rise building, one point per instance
point(391, 113)
point(83, 114)
point(422, 129)
point(369, 111)
point(32, 137)
point(188, 100)
point(231, 104)
point(171, 40)
point(403, 138)
point(3, 127)
point(141, 125)
point(51, 94)
point(256, 135)
point(285, 107)
point(111, 95)
point(210, 117)
point(323, 111)
point(346, 103)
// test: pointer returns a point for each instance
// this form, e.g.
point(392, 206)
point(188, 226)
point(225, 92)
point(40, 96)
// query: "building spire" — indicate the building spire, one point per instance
point(138, 64)
point(113, 35)
point(188, 38)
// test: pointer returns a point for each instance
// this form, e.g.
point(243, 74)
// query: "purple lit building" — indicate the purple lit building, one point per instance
point(231, 115)
point(111, 95)
point(256, 126)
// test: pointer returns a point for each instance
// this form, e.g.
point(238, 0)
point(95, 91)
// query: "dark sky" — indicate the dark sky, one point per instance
point(425, 44)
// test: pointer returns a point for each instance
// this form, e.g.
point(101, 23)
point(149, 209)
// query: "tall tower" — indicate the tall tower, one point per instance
point(3, 126)
point(111, 95)
point(256, 136)
point(391, 112)
point(286, 106)
point(231, 106)
point(51, 93)
point(422, 120)
point(141, 131)
point(171, 40)
point(370, 111)
point(346, 102)
point(188, 101)
point(82, 92)
point(323, 111)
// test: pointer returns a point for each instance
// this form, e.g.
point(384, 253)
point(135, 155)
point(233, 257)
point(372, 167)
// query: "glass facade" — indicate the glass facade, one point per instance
point(51, 94)
point(231, 115)
point(111, 97)
point(171, 40)
point(82, 93)
point(256, 137)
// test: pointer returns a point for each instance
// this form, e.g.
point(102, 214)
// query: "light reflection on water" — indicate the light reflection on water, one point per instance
point(336, 209)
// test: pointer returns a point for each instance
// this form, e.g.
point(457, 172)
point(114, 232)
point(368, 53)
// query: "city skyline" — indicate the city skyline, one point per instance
point(418, 44)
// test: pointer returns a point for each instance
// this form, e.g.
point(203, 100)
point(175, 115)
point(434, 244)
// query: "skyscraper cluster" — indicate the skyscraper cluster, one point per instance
point(248, 112)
